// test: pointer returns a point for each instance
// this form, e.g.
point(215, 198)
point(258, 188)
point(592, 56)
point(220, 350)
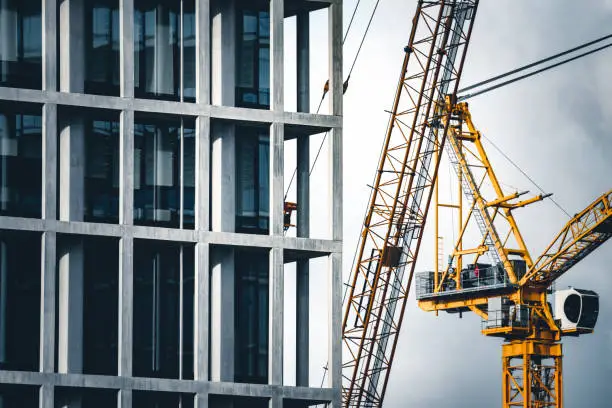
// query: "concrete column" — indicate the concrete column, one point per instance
point(276, 313)
point(46, 396)
point(303, 61)
point(70, 335)
point(223, 55)
point(49, 42)
point(334, 379)
point(201, 312)
point(126, 59)
point(202, 173)
point(223, 178)
point(277, 175)
point(126, 307)
point(72, 46)
point(72, 170)
point(277, 77)
point(222, 333)
point(124, 399)
point(302, 279)
point(201, 401)
point(49, 161)
point(126, 168)
point(335, 57)
point(47, 303)
point(203, 52)
point(164, 56)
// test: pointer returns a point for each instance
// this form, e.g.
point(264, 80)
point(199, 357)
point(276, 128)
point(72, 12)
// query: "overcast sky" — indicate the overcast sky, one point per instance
point(556, 126)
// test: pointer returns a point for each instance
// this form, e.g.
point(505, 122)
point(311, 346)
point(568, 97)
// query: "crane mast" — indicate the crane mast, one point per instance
point(401, 193)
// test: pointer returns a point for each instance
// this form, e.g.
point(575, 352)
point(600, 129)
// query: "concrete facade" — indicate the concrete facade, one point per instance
point(62, 229)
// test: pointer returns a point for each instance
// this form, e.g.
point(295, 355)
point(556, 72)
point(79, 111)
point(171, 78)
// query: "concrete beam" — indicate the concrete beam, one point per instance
point(317, 122)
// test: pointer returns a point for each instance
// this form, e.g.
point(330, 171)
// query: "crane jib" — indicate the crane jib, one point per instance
point(402, 191)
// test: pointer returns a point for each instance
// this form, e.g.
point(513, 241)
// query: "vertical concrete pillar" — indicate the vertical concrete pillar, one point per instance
point(72, 170)
point(126, 59)
point(49, 161)
point(203, 42)
point(126, 168)
point(222, 333)
point(303, 61)
point(126, 308)
point(276, 322)
point(201, 312)
point(70, 329)
point(49, 42)
point(223, 65)
point(277, 77)
point(72, 45)
point(202, 173)
point(335, 165)
point(223, 177)
point(163, 79)
point(47, 303)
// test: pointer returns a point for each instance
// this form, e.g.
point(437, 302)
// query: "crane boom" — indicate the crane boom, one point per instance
point(584, 233)
point(401, 193)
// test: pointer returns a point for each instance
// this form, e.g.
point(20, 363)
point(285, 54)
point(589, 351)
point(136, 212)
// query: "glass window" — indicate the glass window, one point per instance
point(252, 271)
point(160, 31)
point(102, 47)
point(161, 172)
point(156, 399)
point(20, 277)
point(252, 180)
point(20, 162)
point(22, 396)
point(253, 60)
point(20, 44)
point(100, 306)
point(84, 397)
point(102, 172)
point(157, 302)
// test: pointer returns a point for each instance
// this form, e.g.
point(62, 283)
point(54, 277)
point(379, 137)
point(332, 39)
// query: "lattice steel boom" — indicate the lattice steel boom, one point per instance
point(401, 193)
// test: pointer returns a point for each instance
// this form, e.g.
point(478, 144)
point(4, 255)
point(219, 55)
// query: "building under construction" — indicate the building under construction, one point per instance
point(142, 216)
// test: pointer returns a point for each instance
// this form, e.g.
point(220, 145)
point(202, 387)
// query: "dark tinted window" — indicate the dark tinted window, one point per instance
point(20, 44)
point(253, 60)
point(571, 308)
point(102, 47)
point(252, 293)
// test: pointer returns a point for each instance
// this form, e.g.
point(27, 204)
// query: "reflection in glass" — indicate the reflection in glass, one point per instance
point(100, 306)
point(252, 316)
point(102, 172)
point(157, 173)
point(252, 180)
point(20, 277)
point(102, 47)
point(253, 60)
point(157, 299)
point(20, 44)
point(157, 49)
point(20, 163)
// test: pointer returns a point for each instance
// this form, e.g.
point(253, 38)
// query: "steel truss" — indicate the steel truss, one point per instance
point(401, 194)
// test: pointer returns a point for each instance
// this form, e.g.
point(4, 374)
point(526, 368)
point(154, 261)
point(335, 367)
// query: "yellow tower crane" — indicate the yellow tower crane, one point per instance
point(510, 293)
point(508, 289)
